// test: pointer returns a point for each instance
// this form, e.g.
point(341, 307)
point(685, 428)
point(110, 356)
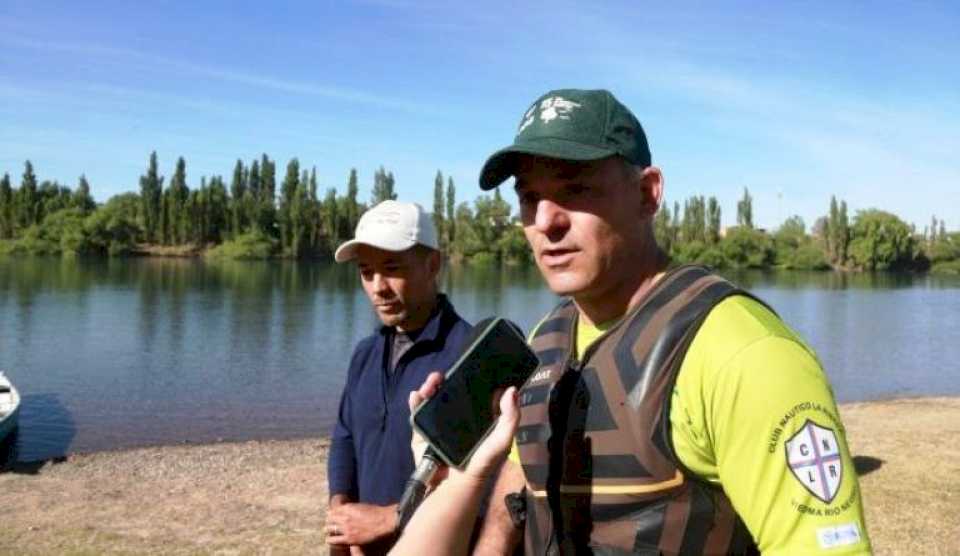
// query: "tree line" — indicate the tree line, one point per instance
point(253, 218)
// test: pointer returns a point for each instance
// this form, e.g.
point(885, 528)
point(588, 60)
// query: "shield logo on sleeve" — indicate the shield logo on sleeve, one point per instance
point(813, 455)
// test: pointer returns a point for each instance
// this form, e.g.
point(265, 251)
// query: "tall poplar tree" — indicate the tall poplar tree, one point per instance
point(382, 187)
point(179, 194)
point(28, 205)
point(351, 209)
point(745, 210)
point(713, 220)
point(238, 190)
point(151, 189)
point(288, 189)
point(438, 208)
point(451, 215)
point(331, 219)
point(6, 208)
point(82, 198)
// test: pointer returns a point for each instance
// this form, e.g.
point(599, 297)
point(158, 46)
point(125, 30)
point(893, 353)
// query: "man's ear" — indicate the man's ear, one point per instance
point(434, 263)
point(651, 185)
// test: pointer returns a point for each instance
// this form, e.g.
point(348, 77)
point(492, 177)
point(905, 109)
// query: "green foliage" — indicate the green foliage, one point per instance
point(8, 221)
point(255, 222)
point(689, 252)
point(451, 211)
point(513, 246)
point(881, 241)
point(946, 267)
point(251, 245)
point(806, 257)
point(438, 208)
point(745, 247)
point(114, 227)
point(151, 189)
point(663, 228)
point(745, 210)
point(383, 187)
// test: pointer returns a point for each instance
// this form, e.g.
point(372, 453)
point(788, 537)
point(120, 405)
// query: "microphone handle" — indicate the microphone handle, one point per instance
point(416, 488)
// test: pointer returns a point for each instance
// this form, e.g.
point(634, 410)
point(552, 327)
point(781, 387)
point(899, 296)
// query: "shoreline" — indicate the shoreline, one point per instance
point(270, 495)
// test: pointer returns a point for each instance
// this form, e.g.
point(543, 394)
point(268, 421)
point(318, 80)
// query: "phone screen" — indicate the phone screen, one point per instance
point(461, 413)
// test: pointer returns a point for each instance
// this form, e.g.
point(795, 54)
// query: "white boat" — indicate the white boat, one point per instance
point(9, 407)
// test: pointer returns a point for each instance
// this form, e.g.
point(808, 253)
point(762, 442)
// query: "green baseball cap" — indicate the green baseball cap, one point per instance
point(571, 124)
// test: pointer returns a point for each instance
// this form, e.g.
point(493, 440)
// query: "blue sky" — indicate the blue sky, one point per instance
point(798, 102)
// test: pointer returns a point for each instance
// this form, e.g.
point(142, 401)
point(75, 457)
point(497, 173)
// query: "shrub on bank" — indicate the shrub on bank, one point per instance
point(252, 245)
point(946, 267)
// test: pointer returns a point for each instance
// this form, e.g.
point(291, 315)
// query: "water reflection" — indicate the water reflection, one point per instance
point(140, 351)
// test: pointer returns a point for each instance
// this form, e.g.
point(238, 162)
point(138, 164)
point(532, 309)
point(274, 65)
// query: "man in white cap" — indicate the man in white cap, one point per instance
point(398, 258)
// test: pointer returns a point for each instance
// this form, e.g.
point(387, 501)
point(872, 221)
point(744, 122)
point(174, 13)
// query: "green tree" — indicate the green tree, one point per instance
point(694, 220)
point(151, 189)
point(7, 223)
point(843, 234)
point(299, 217)
point(745, 210)
point(451, 212)
point(314, 213)
point(382, 187)
point(288, 190)
point(467, 242)
point(114, 227)
point(745, 247)
point(27, 198)
point(218, 209)
point(253, 197)
point(331, 219)
point(350, 208)
point(266, 202)
point(82, 198)
point(788, 238)
point(238, 189)
point(513, 246)
point(438, 208)
point(179, 193)
point(881, 241)
point(713, 220)
point(661, 228)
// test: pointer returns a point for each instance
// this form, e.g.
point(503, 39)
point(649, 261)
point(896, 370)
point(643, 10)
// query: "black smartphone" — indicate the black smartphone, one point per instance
point(461, 414)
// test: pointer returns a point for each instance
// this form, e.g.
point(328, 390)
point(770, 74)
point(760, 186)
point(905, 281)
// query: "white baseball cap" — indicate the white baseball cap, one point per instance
point(392, 226)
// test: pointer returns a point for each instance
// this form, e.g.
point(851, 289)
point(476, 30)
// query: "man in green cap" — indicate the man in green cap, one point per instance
point(673, 413)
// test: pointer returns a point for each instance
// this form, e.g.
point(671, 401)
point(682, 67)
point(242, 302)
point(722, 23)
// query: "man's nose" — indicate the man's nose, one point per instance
point(551, 218)
point(380, 283)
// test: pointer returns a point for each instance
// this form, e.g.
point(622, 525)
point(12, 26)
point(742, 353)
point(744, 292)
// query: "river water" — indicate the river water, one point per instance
point(118, 353)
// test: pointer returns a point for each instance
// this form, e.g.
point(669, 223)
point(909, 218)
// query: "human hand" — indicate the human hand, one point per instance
point(419, 444)
point(358, 524)
point(493, 449)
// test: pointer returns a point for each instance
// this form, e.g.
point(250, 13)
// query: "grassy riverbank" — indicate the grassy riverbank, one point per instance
point(269, 497)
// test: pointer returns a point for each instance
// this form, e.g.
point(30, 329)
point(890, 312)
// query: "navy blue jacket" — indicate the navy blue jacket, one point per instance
point(370, 459)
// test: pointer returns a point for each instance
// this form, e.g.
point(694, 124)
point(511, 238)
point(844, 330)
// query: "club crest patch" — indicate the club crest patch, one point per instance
point(813, 455)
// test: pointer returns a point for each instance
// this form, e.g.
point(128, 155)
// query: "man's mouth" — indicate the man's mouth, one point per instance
point(557, 256)
point(388, 306)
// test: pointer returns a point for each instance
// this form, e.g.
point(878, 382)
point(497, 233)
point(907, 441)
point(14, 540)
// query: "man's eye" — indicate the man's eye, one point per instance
point(392, 268)
point(576, 189)
point(366, 274)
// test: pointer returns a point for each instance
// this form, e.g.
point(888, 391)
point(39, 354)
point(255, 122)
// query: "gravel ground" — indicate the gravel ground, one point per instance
point(270, 497)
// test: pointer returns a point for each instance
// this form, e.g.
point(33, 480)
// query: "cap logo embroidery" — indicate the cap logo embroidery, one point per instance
point(551, 108)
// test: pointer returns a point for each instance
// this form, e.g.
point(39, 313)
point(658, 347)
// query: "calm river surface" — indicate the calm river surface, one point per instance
point(118, 353)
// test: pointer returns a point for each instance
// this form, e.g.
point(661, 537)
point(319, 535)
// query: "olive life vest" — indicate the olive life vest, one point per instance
point(594, 436)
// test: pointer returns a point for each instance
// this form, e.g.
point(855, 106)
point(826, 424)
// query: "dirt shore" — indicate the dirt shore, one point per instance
point(269, 497)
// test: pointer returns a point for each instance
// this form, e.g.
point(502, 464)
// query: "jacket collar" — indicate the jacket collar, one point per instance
point(435, 325)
